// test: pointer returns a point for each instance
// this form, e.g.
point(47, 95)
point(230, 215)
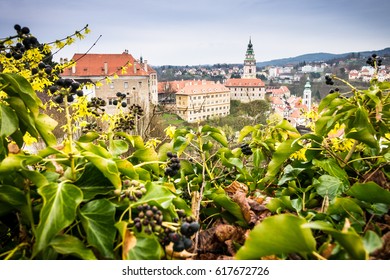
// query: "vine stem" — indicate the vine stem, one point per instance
point(350, 153)
point(70, 139)
point(318, 256)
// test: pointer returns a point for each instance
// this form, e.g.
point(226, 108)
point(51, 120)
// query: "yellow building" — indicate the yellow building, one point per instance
point(201, 100)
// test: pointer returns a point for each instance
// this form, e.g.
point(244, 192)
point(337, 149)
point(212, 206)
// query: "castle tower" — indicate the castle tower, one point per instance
point(249, 63)
point(307, 95)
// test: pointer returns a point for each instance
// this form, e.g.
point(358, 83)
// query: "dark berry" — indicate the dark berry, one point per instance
point(34, 71)
point(60, 82)
point(169, 154)
point(48, 70)
point(115, 102)
point(70, 98)
point(25, 30)
point(187, 243)
point(59, 99)
point(174, 237)
point(149, 213)
point(17, 56)
point(41, 65)
point(80, 93)
point(53, 89)
point(124, 104)
point(178, 246)
point(75, 85)
point(184, 228)
point(17, 27)
point(194, 226)
point(68, 82)
point(118, 94)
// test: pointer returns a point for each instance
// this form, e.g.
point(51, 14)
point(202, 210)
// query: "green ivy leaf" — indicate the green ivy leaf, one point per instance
point(147, 155)
point(18, 86)
point(220, 198)
point(333, 168)
point(146, 248)
point(283, 152)
point(107, 166)
point(8, 121)
point(71, 245)
point(329, 186)
point(12, 196)
point(244, 132)
point(17, 162)
point(281, 234)
point(290, 173)
point(118, 147)
point(349, 240)
point(89, 137)
point(60, 202)
point(157, 194)
point(343, 206)
point(98, 220)
point(45, 125)
point(370, 192)
point(365, 136)
point(372, 241)
point(26, 118)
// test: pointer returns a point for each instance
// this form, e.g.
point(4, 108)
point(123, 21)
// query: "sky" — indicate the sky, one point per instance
point(182, 32)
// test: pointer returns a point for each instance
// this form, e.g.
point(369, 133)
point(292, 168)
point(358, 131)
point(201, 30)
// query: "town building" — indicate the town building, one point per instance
point(201, 100)
point(247, 88)
point(113, 73)
point(306, 100)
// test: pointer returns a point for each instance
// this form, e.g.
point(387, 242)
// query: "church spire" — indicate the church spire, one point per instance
point(249, 62)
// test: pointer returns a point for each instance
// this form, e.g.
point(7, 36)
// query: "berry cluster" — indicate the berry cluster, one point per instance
point(374, 59)
point(91, 126)
point(181, 237)
point(125, 122)
point(133, 189)
point(173, 165)
point(148, 220)
point(137, 110)
point(328, 80)
point(335, 90)
point(27, 42)
point(121, 97)
point(246, 150)
point(65, 88)
point(96, 106)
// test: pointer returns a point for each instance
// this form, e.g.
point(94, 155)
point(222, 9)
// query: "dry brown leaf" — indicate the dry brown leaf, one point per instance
point(129, 243)
point(183, 255)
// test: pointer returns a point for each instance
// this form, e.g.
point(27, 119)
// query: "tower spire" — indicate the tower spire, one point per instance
point(249, 62)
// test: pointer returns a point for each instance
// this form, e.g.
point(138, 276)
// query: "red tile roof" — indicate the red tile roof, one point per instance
point(175, 86)
point(244, 83)
point(107, 64)
point(199, 87)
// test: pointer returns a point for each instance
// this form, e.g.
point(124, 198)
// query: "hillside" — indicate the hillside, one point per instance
point(312, 57)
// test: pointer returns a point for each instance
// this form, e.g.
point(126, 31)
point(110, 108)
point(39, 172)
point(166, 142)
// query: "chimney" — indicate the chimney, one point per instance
point(105, 68)
point(135, 66)
point(73, 68)
point(145, 65)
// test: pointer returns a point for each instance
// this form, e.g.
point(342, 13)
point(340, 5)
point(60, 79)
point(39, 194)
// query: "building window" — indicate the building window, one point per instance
point(126, 84)
point(111, 85)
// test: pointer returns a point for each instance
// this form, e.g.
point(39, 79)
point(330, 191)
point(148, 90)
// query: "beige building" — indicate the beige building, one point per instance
point(246, 90)
point(134, 78)
point(201, 100)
